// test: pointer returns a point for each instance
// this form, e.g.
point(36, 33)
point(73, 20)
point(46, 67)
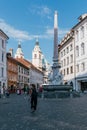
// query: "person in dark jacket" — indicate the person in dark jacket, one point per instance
point(33, 98)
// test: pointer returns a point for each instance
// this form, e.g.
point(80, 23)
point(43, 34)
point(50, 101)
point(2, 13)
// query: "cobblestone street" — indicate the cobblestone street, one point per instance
point(51, 114)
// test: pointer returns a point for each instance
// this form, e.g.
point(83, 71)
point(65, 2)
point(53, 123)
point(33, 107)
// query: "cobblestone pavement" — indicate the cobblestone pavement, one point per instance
point(51, 114)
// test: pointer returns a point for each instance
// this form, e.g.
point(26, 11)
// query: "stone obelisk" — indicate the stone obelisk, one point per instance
point(56, 66)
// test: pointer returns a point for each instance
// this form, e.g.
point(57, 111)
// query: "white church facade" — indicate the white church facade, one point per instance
point(39, 60)
point(37, 56)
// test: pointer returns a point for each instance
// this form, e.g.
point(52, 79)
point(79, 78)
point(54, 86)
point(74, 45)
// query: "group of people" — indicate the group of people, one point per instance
point(32, 93)
point(4, 92)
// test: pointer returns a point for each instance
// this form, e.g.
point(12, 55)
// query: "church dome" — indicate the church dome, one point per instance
point(19, 52)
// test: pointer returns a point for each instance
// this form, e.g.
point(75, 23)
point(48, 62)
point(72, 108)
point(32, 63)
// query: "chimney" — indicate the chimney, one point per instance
point(11, 52)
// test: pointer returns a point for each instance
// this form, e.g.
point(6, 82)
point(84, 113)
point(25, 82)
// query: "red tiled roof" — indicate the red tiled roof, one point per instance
point(22, 61)
point(27, 64)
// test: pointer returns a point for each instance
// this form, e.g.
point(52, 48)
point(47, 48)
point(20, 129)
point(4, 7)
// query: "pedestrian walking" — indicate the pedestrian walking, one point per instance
point(2, 91)
point(33, 98)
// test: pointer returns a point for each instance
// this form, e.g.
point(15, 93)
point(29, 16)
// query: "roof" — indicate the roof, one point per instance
point(70, 33)
point(4, 34)
point(22, 61)
point(67, 37)
point(79, 22)
point(17, 61)
point(9, 57)
point(27, 64)
point(32, 66)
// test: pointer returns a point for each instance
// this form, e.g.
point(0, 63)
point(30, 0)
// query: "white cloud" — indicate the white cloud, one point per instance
point(42, 11)
point(24, 35)
point(45, 10)
point(14, 33)
point(61, 32)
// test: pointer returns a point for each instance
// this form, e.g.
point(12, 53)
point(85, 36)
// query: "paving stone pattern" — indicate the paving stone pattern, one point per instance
point(51, 114)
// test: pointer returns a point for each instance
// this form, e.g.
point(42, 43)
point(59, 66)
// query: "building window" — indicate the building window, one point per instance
point(2, 72)
point(19, 68)
point(64, 62)
point(67, 71)
point(64, 71)
point(64, 52)
point(67, 60)
point(77, 50)
point(22, 78)
point(71, 69)
point(19, 78)
point(67, 49)
point(2, 56)
point(71, 58)
point(82, 66)
point(82, 32)
point(22, 70)
point(35, 55)
point(82, 49)
point(28, 80)
point(77, 68)
point(77, 35)
point(2, 43)
point(71, 47)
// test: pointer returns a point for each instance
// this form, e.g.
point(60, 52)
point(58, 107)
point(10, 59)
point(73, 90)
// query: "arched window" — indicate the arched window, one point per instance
point(2, 43)
point(71, 47)
point(71, 58)
point(71, 69)
point(2, 56)
point(83, 66)
point(64, 71)
point(67, 49)
point(82, 49)
point(35, 56)
point(82, 32)
point(77, 35)
point(77, 50)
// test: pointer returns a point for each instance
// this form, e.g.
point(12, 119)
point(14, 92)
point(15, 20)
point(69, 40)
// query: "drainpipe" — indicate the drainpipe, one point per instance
point(74, 60)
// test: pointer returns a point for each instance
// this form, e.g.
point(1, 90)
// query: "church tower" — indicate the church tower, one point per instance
point(37, 55)
point(19, 52)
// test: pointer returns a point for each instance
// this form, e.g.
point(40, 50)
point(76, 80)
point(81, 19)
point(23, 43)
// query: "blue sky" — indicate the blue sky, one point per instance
point(24, 20)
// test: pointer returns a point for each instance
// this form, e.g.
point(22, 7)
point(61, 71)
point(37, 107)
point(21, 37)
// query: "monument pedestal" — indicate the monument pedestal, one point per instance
point(57, 91)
